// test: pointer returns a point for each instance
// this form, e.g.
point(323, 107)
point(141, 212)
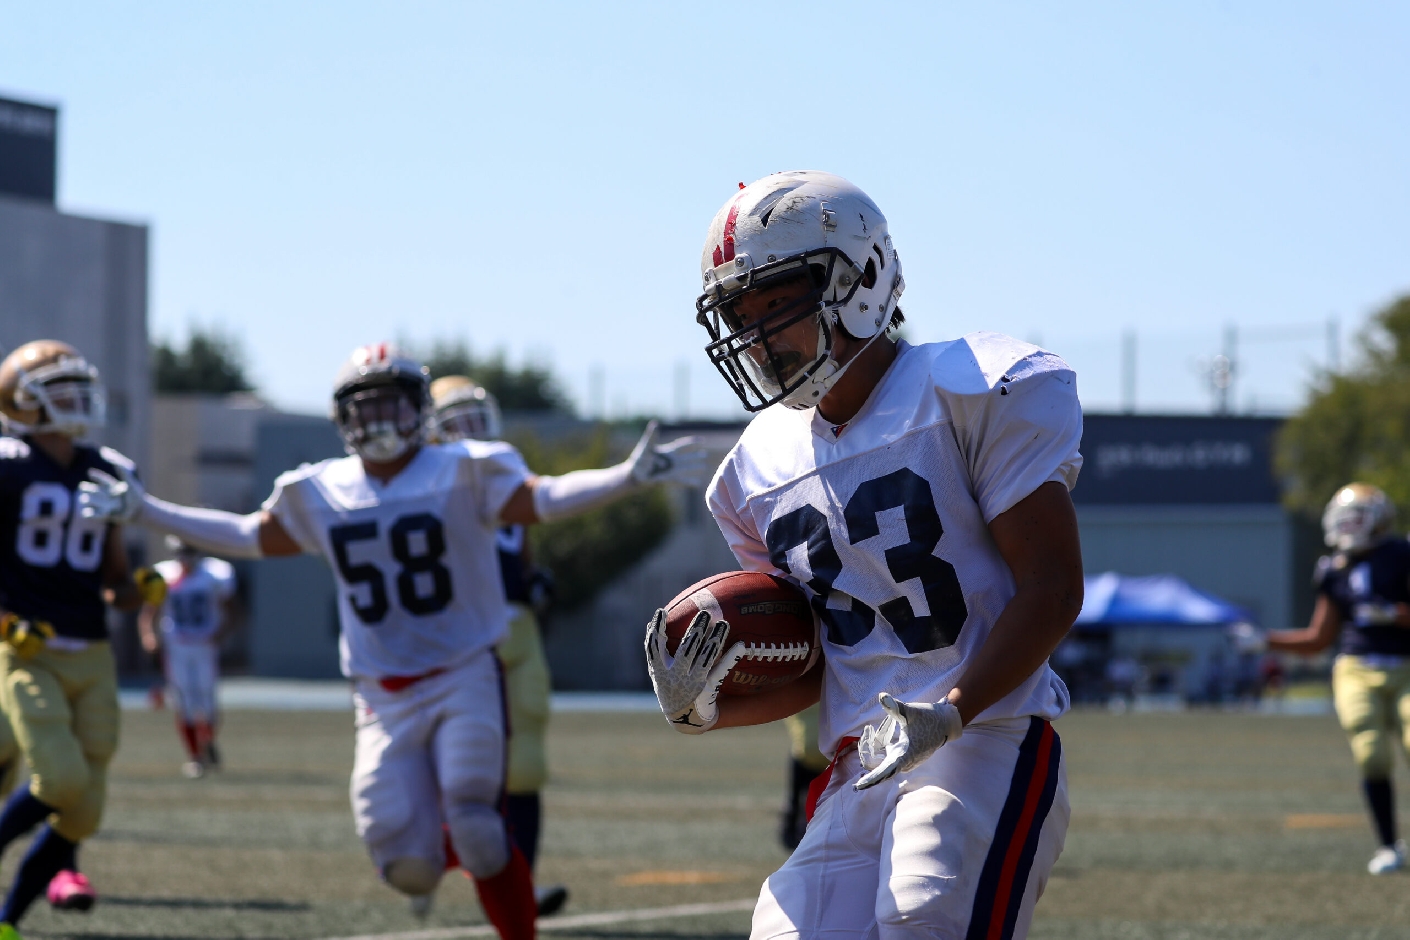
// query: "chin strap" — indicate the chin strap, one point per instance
point(832, 378)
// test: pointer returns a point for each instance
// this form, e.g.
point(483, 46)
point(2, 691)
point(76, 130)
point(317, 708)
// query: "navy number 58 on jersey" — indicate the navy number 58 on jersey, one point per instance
point(417, 542)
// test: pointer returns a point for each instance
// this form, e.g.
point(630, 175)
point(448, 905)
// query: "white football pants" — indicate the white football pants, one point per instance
point(428, 757)
point(192, 669)
point(961, 847)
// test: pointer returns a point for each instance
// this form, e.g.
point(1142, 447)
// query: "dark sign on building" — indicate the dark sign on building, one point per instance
point(29, 139)
point(1151, 460)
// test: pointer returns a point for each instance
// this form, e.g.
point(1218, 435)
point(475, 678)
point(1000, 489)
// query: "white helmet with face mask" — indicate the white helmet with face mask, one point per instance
point(779, 230)
point(381, 402)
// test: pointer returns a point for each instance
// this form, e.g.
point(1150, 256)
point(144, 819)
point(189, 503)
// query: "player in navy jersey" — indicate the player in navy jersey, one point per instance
point(58, 574)
point(1363, 601)
point(409, 528)
point(919, 497)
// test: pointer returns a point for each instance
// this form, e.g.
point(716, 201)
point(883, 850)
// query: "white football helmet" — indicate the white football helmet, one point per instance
point(1358, 516)
point(463, 409)
point(381, 402)
point(777, 230)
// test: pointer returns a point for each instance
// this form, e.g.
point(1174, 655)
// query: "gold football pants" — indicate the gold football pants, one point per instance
point(10, 761)
point(63, 707)
point(526, 685)
point(1373, 706)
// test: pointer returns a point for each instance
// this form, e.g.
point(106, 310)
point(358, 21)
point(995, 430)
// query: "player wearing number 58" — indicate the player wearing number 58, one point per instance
point(58, 570)
point(410, 529)
point(919, 497)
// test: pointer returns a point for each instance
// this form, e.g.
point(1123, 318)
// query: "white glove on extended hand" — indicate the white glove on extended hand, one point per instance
point(911, 732)
point(682, 461)
point(688, 686)
point(1248, 639)
point(111, 499)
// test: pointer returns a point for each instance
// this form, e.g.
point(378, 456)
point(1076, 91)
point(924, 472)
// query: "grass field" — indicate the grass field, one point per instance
point(1193, 825)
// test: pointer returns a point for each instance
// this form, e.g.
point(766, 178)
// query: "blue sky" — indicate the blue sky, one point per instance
point(537, 178)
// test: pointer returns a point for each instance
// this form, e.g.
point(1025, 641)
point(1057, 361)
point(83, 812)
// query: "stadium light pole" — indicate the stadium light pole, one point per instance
point(1128, 371)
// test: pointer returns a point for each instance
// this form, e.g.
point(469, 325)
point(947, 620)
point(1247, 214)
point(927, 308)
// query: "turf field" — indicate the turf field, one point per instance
point(1191, 825)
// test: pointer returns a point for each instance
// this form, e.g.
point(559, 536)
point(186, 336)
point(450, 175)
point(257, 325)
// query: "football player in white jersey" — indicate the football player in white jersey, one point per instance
point(919, 495)
point(188, 629)
point(410, 529)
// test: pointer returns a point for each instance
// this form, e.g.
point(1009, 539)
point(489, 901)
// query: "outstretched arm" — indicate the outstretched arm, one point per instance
point(548, 498)
point(1319, 633)
point(256, 535)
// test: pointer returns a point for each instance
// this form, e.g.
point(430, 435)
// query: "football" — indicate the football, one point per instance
point(769, 615)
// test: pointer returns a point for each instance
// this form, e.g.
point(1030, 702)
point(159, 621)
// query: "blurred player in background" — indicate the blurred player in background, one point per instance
point(410, 529)
point(919, 494)
point(1363, 597)
point(187, 630)
point(58, 572)
point(466, 411)
point(805, 763)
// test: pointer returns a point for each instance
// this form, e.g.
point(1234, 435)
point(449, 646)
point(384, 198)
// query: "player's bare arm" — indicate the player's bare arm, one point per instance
point(1038, 540)
point(774, 705)
point(1321, 631)
point(147, 631)
point(119, 590)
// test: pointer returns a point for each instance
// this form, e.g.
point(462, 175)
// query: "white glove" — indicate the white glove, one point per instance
point(911, 732)
point(111, 499)
point(1248, 639)
point(682, 461)
point(688, 686)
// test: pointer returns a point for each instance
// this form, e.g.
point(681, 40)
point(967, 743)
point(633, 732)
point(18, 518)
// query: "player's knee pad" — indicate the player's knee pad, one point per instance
point(1371, 748)
point(478, 834)
point(415, 876)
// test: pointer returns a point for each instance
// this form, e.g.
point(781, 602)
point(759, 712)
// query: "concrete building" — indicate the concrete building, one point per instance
point(83, 281)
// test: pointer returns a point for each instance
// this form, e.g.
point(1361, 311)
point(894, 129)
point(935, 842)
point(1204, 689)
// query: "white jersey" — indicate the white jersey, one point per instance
point(194, 599)
point(418, 572)
point(883, 521)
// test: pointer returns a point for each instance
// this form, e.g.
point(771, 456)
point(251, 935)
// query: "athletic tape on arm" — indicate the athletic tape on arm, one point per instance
point(577, 492)
point(224, 533)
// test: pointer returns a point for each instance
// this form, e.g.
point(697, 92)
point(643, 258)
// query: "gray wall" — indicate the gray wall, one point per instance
point(83, 281)
point(1241, 553)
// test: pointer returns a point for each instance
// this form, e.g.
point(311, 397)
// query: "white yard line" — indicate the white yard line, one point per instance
point(568, 923)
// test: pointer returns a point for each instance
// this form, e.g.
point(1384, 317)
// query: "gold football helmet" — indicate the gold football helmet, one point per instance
point(1358, 516)
point(47, 386)
point(463, 410)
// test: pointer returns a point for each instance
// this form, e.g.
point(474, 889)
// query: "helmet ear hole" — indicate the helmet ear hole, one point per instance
point(869, 275)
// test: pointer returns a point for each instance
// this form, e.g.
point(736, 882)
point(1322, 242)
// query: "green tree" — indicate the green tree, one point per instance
point(211, 362)
point(587, 552)
point(528, 388)
point(1356, 426)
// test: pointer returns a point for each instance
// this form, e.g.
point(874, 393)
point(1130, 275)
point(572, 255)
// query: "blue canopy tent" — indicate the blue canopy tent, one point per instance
point(1121, 600)
point(1154, 634)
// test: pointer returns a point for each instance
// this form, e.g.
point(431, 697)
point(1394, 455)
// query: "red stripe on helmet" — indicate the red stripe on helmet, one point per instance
point(730, 221)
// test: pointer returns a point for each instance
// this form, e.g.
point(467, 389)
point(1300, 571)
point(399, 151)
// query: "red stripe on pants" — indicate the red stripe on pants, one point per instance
point(1036, 783)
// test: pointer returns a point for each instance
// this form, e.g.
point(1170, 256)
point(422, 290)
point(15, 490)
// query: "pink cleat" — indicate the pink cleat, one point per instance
point(71, 891)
